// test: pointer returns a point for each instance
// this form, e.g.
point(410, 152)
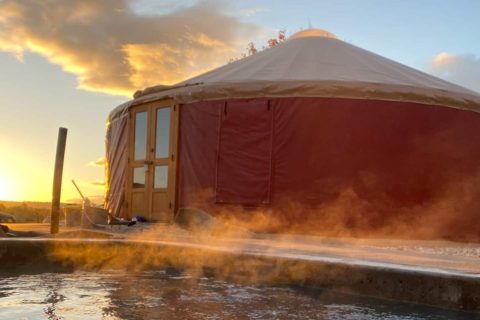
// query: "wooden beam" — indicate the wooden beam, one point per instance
point(57, 180)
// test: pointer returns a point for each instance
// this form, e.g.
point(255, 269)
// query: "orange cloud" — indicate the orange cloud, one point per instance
point(99, 162)
point(442, 59)
point(111, 48)
point(98, 183)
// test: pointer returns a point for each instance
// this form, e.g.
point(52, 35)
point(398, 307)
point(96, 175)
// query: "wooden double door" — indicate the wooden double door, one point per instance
point(151, 190)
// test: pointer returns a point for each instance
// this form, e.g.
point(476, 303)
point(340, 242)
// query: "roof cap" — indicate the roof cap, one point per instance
point(312, 33)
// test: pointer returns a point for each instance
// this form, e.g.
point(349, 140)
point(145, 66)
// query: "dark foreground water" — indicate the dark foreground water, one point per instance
point(174, 295)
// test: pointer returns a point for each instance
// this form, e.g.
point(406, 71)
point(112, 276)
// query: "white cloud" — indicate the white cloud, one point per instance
point(252, 11)
point(461, 69)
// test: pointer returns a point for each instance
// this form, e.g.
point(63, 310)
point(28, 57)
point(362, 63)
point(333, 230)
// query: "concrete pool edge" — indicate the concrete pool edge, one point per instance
point(389, 281)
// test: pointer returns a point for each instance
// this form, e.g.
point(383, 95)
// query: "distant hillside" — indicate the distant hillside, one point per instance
point(37, 211)
point(32, 204)
point(27, 211)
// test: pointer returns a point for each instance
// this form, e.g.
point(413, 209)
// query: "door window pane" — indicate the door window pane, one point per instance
point(140, 136)
point(161, 177)
point(138, 177)
point(162, 137)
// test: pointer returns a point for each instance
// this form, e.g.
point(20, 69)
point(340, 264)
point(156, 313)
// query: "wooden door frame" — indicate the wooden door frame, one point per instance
point(172, 158)
point(132, 163)
point(151, 108)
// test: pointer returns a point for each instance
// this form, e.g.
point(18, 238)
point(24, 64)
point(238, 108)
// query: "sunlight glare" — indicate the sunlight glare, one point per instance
point(4, 194)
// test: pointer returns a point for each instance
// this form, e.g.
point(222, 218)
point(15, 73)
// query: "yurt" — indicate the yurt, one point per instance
point(314, 132)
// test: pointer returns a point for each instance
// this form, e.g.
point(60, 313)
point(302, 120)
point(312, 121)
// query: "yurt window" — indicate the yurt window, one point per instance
point(245, 148)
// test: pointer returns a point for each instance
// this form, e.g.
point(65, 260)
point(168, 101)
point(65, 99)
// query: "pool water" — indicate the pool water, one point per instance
point(171, 294)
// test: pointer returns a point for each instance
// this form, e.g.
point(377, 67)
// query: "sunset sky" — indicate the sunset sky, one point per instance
point(69, 63)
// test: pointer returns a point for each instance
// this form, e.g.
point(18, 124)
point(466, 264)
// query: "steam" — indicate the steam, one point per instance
point(113, 49)
point(451, 214)
point(198, 262)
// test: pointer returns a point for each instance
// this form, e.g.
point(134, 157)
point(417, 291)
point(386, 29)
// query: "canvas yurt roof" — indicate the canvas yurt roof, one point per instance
point(314, 63)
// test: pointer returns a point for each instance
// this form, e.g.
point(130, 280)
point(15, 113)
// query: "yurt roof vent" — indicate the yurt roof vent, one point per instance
point(312, 33)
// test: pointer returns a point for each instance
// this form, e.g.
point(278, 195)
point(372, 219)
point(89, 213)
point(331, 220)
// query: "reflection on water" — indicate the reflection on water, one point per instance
point(170, 294)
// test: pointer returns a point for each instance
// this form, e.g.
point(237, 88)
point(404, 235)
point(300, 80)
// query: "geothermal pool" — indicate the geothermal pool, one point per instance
point(173, 294)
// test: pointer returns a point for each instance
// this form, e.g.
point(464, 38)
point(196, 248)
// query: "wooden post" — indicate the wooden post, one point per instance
point(57, 180)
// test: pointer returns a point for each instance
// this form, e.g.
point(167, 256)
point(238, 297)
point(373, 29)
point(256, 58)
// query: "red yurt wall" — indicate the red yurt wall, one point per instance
point(335, 166)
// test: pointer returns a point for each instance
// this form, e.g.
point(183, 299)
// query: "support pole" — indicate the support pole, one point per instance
point(57, 180)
